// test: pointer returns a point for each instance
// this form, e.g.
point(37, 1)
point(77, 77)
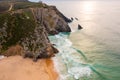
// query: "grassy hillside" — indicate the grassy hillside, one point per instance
point(4, 5)
point(17, 27)
point(23, 5)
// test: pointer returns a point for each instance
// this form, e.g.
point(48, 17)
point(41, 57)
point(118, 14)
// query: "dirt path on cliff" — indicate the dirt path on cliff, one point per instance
point(10, 8)
point(33, 14)
point(17, 68)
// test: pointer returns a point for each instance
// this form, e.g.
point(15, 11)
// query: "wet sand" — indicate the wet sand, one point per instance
point(17, 68)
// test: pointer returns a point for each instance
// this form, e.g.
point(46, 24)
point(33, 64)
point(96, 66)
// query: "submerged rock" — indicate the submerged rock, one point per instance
point(76, 18)
point(72, 19)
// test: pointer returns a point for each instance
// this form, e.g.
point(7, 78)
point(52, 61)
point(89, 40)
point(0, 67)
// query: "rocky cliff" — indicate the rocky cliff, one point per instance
point(24, 29)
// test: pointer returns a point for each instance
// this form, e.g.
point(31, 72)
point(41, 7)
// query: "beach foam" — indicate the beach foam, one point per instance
point(68, 62)
point(1, 57)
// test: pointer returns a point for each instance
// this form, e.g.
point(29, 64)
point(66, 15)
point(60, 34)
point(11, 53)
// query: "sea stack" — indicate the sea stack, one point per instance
point(72, 19)
point(79, 27)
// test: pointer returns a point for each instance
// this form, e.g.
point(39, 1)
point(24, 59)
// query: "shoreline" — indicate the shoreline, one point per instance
point(18, 68)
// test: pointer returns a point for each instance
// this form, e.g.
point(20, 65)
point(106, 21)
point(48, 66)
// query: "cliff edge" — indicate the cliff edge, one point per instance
point(25, 26)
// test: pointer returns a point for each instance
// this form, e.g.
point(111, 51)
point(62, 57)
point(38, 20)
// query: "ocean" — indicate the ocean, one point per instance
point(92, 53)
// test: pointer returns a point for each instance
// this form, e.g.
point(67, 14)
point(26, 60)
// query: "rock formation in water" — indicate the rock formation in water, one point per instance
point(24, 29)
point(79, 27)
point(76, 18)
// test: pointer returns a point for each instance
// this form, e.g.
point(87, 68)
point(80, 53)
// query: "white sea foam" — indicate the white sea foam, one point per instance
point(1, 57)
point(79, 72)
point(68, 62)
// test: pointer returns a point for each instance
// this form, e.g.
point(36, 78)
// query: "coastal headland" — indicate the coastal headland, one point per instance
point(24, 30)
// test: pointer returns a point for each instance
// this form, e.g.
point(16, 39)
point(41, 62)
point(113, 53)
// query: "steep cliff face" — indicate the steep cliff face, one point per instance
point(24, 30)
point(51, 20)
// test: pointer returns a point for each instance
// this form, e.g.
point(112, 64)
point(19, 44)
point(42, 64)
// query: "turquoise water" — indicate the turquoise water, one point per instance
point(92, 53)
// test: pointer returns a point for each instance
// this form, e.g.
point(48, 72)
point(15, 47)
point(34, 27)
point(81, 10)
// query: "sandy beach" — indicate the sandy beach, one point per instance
point(17, 68)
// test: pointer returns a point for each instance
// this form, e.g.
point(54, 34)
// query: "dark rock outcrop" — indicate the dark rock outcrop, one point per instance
point(76, 18)
point(47, 52)
point(79, 27)
point(72, 19)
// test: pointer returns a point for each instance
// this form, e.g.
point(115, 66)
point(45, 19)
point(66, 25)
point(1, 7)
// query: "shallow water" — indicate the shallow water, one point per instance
point(92, 53)
point(70, 66)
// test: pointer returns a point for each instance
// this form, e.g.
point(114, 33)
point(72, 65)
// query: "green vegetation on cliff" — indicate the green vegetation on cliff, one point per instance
point(23, 5)
point(28, 24)
point(4, 6)
point(17, 26)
